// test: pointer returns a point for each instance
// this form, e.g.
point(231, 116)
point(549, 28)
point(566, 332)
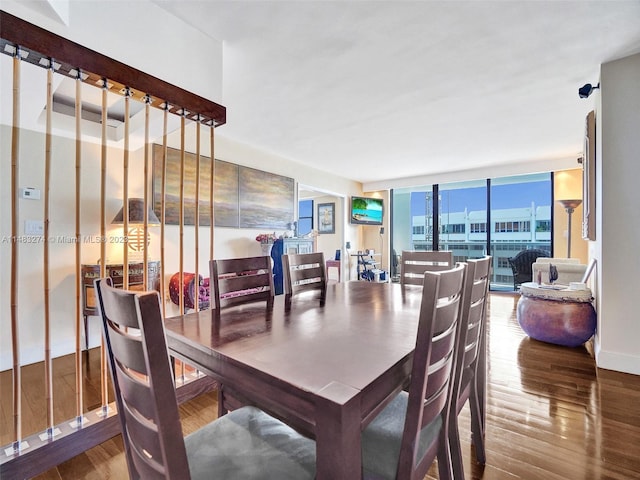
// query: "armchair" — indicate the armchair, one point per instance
point(569, 269)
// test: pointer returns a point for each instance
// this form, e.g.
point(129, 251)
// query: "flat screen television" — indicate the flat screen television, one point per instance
point(366, 211)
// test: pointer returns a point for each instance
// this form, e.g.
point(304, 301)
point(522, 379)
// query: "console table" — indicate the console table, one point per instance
point(116, 273)
point(555, 314)
point(297, 245)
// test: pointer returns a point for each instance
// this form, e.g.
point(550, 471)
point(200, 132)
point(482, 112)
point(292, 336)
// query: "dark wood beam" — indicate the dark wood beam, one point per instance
point(71, 55)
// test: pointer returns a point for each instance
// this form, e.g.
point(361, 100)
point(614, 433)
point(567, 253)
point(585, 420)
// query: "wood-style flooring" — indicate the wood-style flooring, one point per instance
point(551, 415)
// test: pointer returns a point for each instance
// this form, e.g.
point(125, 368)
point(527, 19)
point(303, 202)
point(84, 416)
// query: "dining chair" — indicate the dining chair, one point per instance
point(469, 371)
point(404, 439)
point(304, 272)
point(413, 264)
point(237, 281)
point(247, 443)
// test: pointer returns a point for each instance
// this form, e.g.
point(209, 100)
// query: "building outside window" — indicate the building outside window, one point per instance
point(543, 226)
point(504, 227)
point(478, 227)
point(453, 228)
point(461, 214)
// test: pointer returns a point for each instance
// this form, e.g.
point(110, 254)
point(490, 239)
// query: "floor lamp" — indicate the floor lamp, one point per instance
point(569, 206)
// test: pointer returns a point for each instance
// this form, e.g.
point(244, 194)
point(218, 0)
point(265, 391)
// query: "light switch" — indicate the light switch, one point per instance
point(33, 227)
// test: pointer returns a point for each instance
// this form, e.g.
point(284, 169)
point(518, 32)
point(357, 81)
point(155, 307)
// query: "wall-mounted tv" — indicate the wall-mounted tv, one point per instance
point(366, 211)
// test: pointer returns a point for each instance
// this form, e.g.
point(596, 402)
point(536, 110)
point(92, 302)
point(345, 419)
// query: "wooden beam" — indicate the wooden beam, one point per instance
point(72, 55)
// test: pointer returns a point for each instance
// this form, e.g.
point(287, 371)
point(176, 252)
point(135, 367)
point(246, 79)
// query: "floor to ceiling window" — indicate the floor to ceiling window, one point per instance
point(412, 222)
point(520, 220)
point(498, 216)
point(463, 219)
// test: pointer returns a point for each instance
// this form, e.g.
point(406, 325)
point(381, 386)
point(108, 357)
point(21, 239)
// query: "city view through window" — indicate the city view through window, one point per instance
point(518, 217)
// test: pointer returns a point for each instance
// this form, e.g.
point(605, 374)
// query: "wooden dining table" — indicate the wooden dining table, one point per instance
point(325, 368)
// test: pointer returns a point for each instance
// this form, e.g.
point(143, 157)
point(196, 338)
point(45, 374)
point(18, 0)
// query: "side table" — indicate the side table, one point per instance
point(116, 273)
point(556, 315)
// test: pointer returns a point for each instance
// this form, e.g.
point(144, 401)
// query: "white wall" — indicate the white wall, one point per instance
point(328, 243)
point(618, 215)
point(62, 227)
point(370, 234)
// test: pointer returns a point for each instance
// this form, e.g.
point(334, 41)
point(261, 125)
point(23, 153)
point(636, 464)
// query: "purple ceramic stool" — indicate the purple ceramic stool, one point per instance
point(564, 317)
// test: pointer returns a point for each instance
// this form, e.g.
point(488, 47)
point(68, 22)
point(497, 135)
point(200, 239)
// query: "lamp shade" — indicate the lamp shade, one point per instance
point(136, 214)
point(570, 204)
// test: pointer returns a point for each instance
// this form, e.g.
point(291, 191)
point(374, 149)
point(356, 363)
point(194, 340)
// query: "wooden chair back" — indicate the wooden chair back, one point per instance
point(237, 281)
point(143, 383)
point(413, 264)
point(303, 272)
point(241, 280)
point(432, 370)
point(470, 370)
point(474, 312)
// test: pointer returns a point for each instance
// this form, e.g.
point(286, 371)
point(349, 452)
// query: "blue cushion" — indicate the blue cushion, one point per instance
point(249, 444)
point(382, 438)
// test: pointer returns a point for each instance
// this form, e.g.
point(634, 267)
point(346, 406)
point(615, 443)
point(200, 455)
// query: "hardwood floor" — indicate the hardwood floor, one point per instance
point(551, 415)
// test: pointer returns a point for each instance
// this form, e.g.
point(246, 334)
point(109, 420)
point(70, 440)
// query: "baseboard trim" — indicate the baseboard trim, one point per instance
point(618, 362)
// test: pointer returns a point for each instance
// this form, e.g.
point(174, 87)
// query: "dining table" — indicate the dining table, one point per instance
point(325, 367)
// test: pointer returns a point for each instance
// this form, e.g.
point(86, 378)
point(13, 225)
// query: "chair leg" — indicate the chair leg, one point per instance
point(221, 408)
point(445, 470)
point(455, 448)
point(479, 389)
point(477, 427)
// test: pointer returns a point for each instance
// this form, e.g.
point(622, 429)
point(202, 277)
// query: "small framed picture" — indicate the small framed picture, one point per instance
point(326, 218)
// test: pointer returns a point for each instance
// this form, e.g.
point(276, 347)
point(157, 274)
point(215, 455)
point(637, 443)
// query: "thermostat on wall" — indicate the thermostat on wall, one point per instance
point(30, 193)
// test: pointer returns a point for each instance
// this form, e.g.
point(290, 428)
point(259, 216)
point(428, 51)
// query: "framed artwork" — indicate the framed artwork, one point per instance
point(243, 197)
point(172, 197)
point(266, 199)
point(226, 186)
point(326, 218)
point(589, 179)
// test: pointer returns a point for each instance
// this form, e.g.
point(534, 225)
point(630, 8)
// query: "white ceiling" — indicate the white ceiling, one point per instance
point(384, 90)
point(376, 90)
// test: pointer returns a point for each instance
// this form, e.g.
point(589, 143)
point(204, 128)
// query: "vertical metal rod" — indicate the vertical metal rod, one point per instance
point(103, 244)
point(196, 222)
point(125, 192)
point(79, 405)
point(212, 194)
point(145, 226)
point(182, 160)
point(15, 347)
point(163, 190)
point(181, 213)
point(569, 212)
point(103, 183)
point(48, 371)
